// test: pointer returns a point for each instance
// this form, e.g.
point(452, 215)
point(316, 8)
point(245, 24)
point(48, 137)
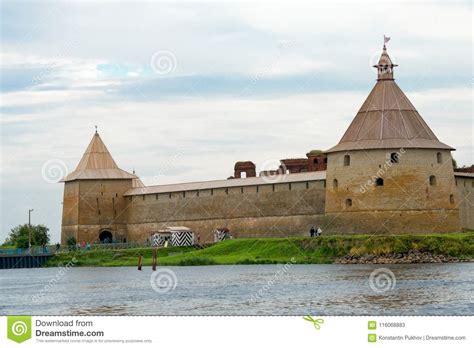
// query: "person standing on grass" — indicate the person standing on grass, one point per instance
point(311, 232)
point(319, 231)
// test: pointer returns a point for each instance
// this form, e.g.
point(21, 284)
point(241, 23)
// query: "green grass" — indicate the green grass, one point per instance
point(280, 250)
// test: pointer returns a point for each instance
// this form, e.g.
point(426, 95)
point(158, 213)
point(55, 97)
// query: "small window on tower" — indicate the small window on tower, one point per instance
point(451, 199)
point(315, 161)
point(439, 157)
point(394, 157)
point(379, 182)
point(432, 180)
point(348, 203)
point(347, 160)
point(335, 183)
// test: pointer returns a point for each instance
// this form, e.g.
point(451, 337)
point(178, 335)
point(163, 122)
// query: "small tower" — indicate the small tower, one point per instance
point(390, 173)
point(94, 208)
point(385, 65)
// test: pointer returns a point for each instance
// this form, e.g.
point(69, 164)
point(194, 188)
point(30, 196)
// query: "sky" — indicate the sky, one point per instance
point(180, 91)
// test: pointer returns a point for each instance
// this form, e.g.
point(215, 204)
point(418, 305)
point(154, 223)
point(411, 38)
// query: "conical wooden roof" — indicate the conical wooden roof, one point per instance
point(387, 119)
point(97, 163)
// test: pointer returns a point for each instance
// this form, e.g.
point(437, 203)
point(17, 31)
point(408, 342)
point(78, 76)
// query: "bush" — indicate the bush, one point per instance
point(71, 243)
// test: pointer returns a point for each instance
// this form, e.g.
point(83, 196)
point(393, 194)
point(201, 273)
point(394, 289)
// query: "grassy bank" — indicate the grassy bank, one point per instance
point(280, 250)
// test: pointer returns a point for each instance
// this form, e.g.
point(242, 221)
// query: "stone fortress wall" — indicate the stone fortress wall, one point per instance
point(272, 209)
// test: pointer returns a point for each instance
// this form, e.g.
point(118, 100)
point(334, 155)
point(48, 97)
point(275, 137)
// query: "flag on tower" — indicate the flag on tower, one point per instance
point(386, 39)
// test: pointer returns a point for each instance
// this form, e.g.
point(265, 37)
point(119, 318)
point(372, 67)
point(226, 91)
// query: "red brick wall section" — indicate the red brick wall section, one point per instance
point(317, 162)
point(247, 167)
point(465, 170)
point(294, 165)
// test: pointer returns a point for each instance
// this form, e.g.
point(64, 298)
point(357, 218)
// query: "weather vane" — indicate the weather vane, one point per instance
point(385, 40)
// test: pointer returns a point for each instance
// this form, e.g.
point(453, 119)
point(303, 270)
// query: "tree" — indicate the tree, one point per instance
point(19, 235)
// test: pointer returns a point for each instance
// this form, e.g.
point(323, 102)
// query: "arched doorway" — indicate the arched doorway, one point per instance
point(105, 236)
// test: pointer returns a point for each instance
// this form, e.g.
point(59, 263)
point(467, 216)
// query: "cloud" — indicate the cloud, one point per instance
point(251, 82)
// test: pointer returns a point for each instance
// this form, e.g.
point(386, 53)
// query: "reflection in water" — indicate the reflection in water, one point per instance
point(423, 289)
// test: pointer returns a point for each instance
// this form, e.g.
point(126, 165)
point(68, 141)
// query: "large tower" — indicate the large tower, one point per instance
point(390, 173)
point(94, 208)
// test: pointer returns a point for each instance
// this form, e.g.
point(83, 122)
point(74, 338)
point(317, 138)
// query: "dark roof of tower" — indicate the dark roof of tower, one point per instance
point(387, 119)
point(97, 163)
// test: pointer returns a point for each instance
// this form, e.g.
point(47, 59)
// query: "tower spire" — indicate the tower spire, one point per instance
point(385, 65)
point(97, 163)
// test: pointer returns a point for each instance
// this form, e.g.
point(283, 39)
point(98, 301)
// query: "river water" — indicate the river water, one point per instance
point(421, 289)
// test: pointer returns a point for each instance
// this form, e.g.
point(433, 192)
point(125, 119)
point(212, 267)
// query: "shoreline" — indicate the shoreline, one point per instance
point(412, 257)
point(338, 249)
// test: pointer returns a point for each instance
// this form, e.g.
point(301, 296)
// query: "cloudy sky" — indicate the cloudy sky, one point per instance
point(181, 91)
